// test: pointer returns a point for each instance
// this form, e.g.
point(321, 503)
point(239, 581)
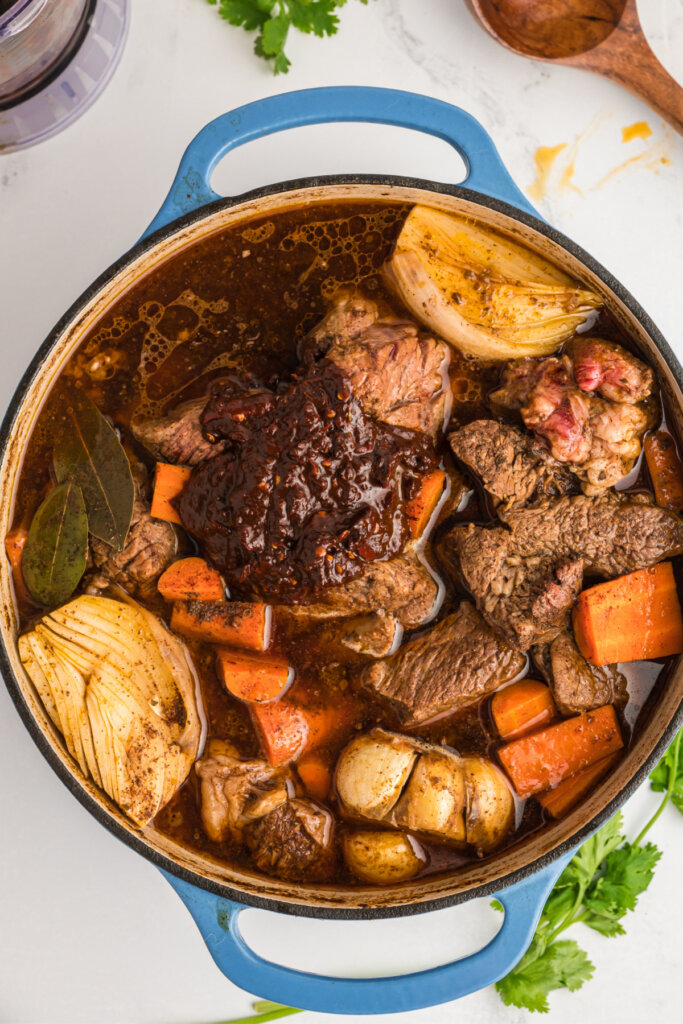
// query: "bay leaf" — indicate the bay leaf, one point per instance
point(89, 452)
point(54, 555)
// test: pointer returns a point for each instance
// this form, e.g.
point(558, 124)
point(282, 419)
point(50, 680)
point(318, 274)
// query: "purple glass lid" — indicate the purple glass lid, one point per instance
point(56, 56)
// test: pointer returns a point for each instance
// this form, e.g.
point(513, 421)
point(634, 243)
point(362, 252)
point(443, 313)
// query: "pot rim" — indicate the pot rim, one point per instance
point(145, 245)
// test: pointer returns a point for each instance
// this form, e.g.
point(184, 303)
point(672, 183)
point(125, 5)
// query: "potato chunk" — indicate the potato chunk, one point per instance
point(434, 799)
point(383, 857)
point(490, 804)
point(371, 773)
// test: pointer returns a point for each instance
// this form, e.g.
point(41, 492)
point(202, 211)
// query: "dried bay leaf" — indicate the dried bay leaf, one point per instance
point(54, 555)
point(89, 452)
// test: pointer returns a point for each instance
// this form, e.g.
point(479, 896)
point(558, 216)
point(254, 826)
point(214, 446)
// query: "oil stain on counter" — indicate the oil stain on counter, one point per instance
point(555, 166)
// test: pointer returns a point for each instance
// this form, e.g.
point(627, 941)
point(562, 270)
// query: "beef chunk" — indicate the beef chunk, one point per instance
point(150, 547)
point(402, 587)
point(557, 399)
point(610, 370)
point(373, 635)
point(514, 468)
point(350, 315)
point(398, 375)
point(526, 575)
point(576, 684)
point(456, 663)
point(235, 792)
point(294, 842)
point(177, 437)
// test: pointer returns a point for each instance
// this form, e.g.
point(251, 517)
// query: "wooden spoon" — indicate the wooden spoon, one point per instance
point(604, 36)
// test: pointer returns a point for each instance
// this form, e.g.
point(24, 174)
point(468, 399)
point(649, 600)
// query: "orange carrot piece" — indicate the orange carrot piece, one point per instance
point(632, 618)
point(251, 677)
point(168, 484)
point(666, 469)
point(543, 759)
point(521, 707)
point(419, 509)
point(191, 579)
point(14, 546)
point(314, 772)
point(562, 798)
point(238, 624)
point(289, 729)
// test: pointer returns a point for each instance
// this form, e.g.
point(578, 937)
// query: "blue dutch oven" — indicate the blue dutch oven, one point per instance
point(215, 894)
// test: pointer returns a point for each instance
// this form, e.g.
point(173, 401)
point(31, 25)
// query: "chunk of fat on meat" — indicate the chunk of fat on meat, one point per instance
point(350, 314)
point(294, 842)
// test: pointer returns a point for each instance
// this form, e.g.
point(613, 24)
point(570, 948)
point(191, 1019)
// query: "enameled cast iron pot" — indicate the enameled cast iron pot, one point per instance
point(214, 893)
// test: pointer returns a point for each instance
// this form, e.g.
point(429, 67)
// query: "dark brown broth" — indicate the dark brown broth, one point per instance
point(242, 300)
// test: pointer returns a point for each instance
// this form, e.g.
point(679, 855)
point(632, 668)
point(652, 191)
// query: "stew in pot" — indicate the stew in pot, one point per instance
point(336, 554)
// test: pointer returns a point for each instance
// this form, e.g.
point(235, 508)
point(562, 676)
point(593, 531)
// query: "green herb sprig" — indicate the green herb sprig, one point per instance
point(597, 888)
point(272, 20)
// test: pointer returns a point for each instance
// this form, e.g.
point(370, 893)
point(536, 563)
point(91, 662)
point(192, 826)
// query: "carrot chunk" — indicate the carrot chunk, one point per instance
point(543, 759)
point(191, 579)
point(296, 725)
point(14, 546)
point(666, 469)
point(632, 618)
point(251, 677)
point(168, 484)
point(419, 509)
point(522, 707)
point(562, 798)
point(314, 772)
point(238, 624)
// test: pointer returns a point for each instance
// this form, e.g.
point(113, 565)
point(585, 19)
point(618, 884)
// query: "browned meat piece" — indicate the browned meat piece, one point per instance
point(150, 547)
point(610, 370)
point(551, 405)
point(599, 437)
point(455, 664)
point(612, 535)
point(398, 375)
point(514, 468)
point(235, 792)
point(349, 316)
point(294, 842)
point(402, 587)
point(526, 575)
point(576, 684)
point(177, 437)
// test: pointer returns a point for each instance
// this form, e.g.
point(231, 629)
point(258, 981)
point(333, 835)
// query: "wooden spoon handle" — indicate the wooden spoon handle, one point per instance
point(626, 57)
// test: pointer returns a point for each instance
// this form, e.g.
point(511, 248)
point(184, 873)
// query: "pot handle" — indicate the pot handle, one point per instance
point(191, 188)
point(218, 922)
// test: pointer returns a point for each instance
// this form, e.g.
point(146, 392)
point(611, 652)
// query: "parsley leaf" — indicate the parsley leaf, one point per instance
point(598, 887)
point(272, 19)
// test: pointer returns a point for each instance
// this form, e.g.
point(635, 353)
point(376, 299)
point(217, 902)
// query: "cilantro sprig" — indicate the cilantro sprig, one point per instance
point(272, 20)
point(598, 887)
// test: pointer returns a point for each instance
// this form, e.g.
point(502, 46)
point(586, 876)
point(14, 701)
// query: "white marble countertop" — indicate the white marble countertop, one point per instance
point(90, 933)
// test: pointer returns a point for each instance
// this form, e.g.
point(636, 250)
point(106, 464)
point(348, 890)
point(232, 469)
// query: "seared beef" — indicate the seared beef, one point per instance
point(456, 663)
point(294, 842)
point(398, 375)
point(526, 575)
point(576, 684)
point(373, 635)
point(150, 547)
point(610, 370)
point(612, 535)
point(177, 437)
point(514, 468)
point(556, 397)
point(350, 315)
point(402, 587)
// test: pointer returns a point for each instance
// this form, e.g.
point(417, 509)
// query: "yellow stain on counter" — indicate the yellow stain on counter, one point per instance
point(638, 130)
point(544, 159)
